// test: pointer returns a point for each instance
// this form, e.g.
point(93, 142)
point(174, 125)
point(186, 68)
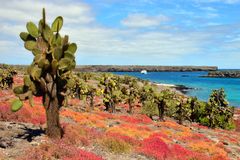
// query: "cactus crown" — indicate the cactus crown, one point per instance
point(54, 58)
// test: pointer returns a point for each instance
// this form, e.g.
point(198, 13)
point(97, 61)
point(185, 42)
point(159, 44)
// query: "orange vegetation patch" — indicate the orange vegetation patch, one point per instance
point(136, 119)
point(172, 125)
point(210, 148)
point(106, 115)
point(135, 131)
point(88, 119)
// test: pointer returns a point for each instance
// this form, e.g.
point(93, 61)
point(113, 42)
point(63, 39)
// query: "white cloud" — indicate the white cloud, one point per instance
point(210, 9)
point(11, 30)
point(14, 15)
point(25, 10)
point(159, 45)
point(212, 15)
point(118, 42)
point(143, 20)
point(6, 45)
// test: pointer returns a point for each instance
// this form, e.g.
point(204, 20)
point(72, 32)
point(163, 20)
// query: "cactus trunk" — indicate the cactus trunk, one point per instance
point(107, 105)
point(113, 107)
point(180, 113)
point(54, 129)
point(130, 106)
point(161, 107)
point(91, 102)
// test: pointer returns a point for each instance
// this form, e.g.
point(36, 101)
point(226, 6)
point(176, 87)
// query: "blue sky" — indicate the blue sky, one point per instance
point(123, 32)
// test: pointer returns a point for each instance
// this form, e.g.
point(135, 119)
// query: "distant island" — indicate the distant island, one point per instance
point(224, 74)
point(139, 68)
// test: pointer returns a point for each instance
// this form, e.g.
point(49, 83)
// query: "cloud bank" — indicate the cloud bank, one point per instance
point(138, 36)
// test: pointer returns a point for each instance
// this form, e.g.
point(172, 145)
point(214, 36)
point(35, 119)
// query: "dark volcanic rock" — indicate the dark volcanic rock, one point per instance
point(224, 74)
point(182, 88)
point(5, 142)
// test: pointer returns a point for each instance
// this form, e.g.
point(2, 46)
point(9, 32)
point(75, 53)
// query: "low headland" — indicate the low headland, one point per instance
point(224, 74)
point(139, 68)
point(132, 68)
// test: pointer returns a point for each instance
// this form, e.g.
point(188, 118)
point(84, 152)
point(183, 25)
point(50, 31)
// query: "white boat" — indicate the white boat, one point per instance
point(144, 71)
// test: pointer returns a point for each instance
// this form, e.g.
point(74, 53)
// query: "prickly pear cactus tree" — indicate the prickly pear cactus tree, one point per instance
point(146, 96)
point(161, 99)
point(218, 113)
point(54, 59)
point(193, 106)
point(182, 109)
point(6, 78)
point(131, 94)
point(111, 92)
point(92, 91)
point(146, 93)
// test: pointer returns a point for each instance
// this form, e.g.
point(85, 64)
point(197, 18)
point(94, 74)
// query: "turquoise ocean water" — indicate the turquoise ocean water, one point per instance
point(202, 85)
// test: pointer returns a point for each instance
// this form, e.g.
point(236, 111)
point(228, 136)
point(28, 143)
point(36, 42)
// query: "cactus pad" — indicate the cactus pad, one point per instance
point(32, 29)
point(57, 24)
point(16, 105)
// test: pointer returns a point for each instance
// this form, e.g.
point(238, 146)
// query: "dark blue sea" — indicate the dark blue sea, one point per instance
point(202, 86)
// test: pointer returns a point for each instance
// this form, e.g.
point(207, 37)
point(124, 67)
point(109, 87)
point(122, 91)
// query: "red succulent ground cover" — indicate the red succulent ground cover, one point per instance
point(137, 134)
point(158, 149)
point(237, 119)
point(28, 114)
point(58, 150)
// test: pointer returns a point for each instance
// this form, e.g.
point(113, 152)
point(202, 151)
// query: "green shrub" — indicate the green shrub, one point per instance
point(150, 108)
point(204, 121)
point(116, 145)
point(216, 112)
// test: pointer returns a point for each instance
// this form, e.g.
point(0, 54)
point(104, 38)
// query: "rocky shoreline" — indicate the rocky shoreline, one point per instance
point(183, 89)
point(180, 88)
